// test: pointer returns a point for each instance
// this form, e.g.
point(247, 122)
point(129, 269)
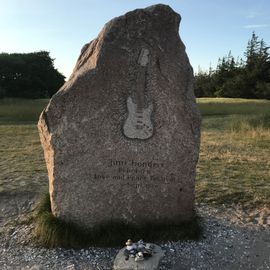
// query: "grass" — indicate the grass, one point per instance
point(230, 106)
point(52, 232)
point(234, 157)
point(253, 123)
point(14, 110)
point(22, 163)
point(233, 166)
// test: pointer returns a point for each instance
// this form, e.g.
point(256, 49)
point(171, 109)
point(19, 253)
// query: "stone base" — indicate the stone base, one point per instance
point(151, 263)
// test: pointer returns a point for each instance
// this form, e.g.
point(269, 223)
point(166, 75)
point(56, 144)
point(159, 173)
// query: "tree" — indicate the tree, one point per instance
point(204, 86)
point(247, 78)
point(30, 75)
point(257, 69)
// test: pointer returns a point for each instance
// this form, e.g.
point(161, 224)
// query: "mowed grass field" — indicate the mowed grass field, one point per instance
point(234, 163)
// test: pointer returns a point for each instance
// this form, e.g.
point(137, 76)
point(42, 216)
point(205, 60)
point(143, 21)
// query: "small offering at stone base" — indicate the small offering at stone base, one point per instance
point(140, 255)
point(131, 249)
point(138, 250)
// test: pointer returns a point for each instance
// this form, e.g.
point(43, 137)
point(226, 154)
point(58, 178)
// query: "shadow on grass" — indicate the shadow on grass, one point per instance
point(53, 232)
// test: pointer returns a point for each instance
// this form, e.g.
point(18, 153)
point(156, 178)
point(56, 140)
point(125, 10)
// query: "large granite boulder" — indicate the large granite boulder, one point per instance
point(121, 137)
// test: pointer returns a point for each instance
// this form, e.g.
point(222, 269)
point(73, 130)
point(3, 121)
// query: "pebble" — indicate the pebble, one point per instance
point(223, 246)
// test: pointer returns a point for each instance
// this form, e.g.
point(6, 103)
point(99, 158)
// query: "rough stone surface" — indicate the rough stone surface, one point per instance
point(121, 137)
point(148, 264)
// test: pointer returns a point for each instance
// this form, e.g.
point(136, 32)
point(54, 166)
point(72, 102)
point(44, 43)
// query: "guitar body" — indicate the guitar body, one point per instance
point(138, 124)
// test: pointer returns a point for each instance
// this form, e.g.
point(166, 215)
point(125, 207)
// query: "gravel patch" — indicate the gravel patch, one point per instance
point(225, 244)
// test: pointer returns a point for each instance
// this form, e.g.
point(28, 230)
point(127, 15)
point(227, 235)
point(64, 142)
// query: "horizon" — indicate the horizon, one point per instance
point(204, 27)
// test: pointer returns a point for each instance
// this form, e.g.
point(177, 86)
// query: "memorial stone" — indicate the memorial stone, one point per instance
point(121, 137)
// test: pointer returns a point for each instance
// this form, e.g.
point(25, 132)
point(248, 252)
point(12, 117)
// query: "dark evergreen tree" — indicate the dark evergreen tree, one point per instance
point(257, 69)
point(203, 84)
point(248, 78)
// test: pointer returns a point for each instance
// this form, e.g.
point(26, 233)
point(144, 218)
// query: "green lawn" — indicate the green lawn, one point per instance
point(21, 159)
point(229, 106)
point(18, 111)
point(234, 158)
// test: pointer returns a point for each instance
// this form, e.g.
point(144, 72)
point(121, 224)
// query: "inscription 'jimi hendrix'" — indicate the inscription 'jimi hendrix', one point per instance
point(138, 124)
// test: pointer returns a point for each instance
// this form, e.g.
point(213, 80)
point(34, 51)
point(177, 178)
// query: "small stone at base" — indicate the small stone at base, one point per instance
point(151, 263)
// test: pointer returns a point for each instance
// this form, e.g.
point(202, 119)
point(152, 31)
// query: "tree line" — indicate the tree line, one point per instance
point(33, 75)
point(238, 78)
point(29, 75)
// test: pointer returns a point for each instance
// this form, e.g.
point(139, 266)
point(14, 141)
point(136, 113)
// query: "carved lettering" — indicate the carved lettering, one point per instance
point(136, 173)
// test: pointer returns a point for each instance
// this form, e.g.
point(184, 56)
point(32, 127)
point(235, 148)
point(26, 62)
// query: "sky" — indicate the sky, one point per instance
point(209, 28)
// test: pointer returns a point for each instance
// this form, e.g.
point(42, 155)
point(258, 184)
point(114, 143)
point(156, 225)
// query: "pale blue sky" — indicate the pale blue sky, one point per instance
point(209, 28)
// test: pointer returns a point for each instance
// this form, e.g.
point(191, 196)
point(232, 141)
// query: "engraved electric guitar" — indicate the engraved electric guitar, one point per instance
point(138, 124)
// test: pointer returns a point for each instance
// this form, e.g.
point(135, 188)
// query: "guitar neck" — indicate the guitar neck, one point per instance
point(140, 91)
